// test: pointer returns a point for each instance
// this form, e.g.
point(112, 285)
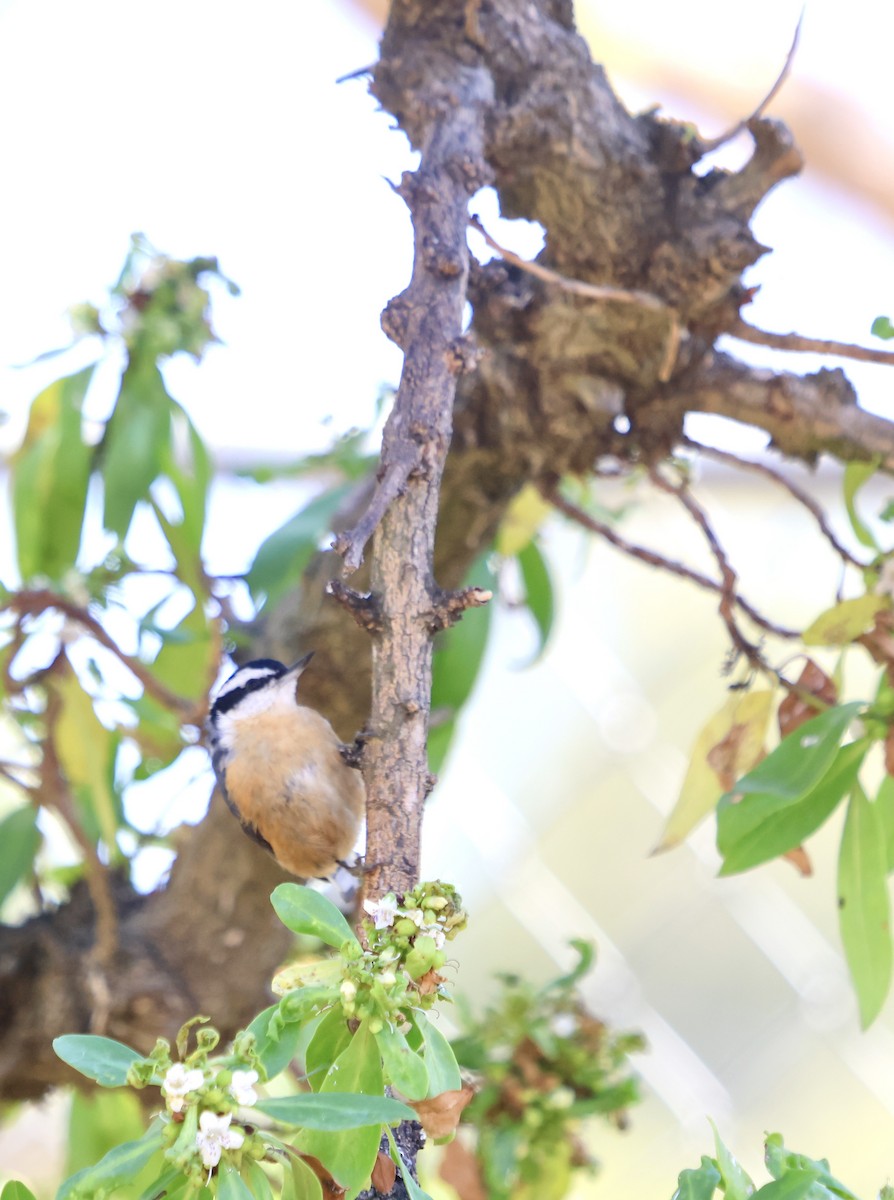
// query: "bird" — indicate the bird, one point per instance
point(281, 771)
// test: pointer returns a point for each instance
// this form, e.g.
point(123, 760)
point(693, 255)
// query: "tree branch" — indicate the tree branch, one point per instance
point(805, 415)
point(653, 559)
point(796, 341)
point(414, 449)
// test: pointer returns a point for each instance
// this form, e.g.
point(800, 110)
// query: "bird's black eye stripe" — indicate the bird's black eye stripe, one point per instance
point(267, 670)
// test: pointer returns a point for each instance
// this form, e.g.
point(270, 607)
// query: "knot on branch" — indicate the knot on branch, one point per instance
point(448, 607)
point(463, 355)
point(395, 319)
point(364, 607)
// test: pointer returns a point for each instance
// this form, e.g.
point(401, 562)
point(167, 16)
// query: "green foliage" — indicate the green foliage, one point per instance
point(882, 328)
point(546, 1065)
point(158, 308)
point(101, 1059)
point(19, 840)
point(204, 1142)
point(794, 1177)
point(16, 1191)
point(864, 908)
point(50, 473)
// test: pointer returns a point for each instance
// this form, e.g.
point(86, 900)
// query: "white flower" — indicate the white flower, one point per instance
point(415, 915)
point(241, 1088)
point(177, 1082)
point(382, 911)
point(215, 1136)
point(348, 989)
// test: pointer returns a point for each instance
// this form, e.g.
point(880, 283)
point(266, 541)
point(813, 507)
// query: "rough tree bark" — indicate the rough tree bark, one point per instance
point(621, 207)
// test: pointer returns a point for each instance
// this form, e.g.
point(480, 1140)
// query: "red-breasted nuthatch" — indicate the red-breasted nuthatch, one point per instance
point(280, 768)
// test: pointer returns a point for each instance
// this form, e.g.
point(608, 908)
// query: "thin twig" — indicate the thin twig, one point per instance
point(792, 488)
point(34, 602)
point(577, 287)
point(351, 543)
point(654, 559)
point(597, 291)
point(797, 342)
point(707, 146)
point(749, 650)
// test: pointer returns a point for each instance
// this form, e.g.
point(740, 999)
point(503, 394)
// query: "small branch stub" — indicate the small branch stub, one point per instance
point(450, 606)
point(364, 607)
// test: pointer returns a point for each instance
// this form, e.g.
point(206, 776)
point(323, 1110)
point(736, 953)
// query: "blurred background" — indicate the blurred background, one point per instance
point(220, 130)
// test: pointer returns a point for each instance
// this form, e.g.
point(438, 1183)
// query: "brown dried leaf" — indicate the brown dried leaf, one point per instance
point(793, 711)
point(800, 860)
point(459, 1168)
point(330, 1186)
point(439, 1115)
point(384, 1173)
point(429, 982)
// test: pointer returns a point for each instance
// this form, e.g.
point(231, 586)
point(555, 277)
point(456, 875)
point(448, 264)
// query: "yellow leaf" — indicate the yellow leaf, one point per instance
point(729, 745)
point(306, 974)
point(844, 622)
point(524, 516)
point(86, 748)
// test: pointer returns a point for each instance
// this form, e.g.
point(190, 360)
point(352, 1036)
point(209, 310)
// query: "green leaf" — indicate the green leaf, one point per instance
point(119, 1166)
point(414, 1191)
point(801, 759)
point(282, 557)
point(855, 475)
point(303, 910)
point(230, 1185)
point(185, 663)
point(332, 1111)
point(50, 473)
point(300, 1183)
point(762, 826)
point(699, 1183)
point(136, 439)
point(14, 1190)
point(539, 596)
point(275, 1053)
point(458, 655)
point(795, 1185)
point(330, 1038)
point(169, 1183)
point(404, 1069)
point(190, 472)
point(863, 905)
point(735, 1181)
point(19, 842)
point(780, 1161)
point(99, 1058)
point(844, 622)
point(350, 1155)
point(440, 1061)
point(87, 752)
point(882, 328)
point(258, 1182)
point(884, 806)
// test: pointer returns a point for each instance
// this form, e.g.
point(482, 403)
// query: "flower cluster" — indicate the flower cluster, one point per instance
point(411, 931)
point(202, 1096)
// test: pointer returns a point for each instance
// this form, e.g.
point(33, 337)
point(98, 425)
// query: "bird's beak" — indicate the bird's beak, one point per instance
point(299, 666)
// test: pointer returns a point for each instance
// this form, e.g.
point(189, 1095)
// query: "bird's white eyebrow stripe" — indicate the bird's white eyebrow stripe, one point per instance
point(242, 677)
